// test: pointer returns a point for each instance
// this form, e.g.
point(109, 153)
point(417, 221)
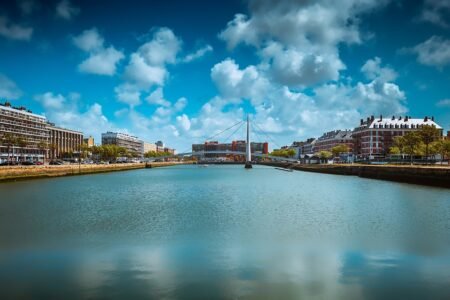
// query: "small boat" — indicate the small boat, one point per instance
point(283, 169)
point(203, 166)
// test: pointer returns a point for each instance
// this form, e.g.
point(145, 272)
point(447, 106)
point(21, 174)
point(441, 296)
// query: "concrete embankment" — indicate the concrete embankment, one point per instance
point(12, 173)
point(424, 175)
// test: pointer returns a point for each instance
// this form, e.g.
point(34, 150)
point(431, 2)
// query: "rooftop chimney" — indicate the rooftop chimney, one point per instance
point(393, 118)
point(381, 117)
point(400, 117)
point(362, 122)
point(426, 119)
point(432, 118)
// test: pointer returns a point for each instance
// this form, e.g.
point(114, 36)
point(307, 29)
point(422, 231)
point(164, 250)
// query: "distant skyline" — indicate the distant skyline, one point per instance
point(180, 71)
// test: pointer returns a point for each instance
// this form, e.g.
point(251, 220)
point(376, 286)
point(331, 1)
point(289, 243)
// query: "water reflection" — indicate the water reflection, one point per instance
point(223, 233)
point(197, 271)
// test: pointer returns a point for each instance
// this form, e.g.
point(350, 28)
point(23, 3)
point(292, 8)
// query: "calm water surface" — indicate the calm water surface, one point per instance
point(223, 233)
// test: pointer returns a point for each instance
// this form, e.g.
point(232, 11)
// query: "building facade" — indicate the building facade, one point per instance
point(23, 135)
point(89, 141)
point(374, 137)
point(149, 147)
point(131, 143)
point(334, 138)
point(63, 142)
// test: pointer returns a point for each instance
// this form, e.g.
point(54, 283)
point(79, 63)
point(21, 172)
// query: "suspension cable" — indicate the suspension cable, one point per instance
point(260, 130)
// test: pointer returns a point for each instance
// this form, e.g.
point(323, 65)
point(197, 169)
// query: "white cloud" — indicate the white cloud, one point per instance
point(66, 10)
point(68, 112)
point(198, 54)
point(372, 69)
point(234, 83)
point(89, 40)
point(443, 103)
point(299, 40)
point(8, 88)
point(183, 122)
point(157, 98)
point(180, 104)
point(14, 31)
point(433, 52)
point(101, 60)
point(298, 68)
point(50, 101)
point(128, 94)
point(147, 66)
point(102, 63)
point(436, 12)
point(143, 74)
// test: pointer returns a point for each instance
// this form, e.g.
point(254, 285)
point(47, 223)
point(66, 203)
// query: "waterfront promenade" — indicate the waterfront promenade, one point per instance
point(10, 173)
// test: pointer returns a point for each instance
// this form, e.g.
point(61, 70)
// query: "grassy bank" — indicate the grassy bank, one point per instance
point(11, 173)
point(424, 175)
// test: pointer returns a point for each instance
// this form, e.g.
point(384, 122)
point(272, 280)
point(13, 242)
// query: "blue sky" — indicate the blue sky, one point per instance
point(180, 71)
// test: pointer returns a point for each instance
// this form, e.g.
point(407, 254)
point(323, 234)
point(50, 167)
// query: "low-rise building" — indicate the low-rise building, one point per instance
point(63, 142)
point(89, 141)
point(149, 147)
point(23, 135)
point(129, 142)
point(374, 137)
point(334, 138)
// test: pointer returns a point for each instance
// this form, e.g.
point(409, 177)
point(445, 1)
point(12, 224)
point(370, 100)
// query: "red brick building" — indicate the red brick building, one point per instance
point(374, 137)
point(333, 138)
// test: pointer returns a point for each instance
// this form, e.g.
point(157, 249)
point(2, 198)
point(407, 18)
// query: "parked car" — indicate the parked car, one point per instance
point(39, 163)
point(56, 162)
point(27, 163)
point(9, 163)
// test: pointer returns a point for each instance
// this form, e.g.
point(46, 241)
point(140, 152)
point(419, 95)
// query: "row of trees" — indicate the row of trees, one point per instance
point(425, 142)
point(10, 141)
point(152, 154)
point(283, 152)
point(108, 152)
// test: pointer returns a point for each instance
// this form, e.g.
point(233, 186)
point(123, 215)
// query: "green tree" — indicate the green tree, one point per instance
point(412, 142)
point(337, 150)
point(22, 144)
point(283, 152)
point(442, 147)
point(324, 155)
point(428, 134)
point(9, 140)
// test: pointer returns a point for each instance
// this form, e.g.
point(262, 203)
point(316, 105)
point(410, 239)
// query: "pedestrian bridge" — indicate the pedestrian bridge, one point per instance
point(204, 153)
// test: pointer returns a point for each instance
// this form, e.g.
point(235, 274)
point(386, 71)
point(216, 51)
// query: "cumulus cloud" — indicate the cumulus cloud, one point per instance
point(8, 88)
point(128, 94)
point(372, 69)
point(436, 12)
point(433, 52)
point(68, 112)
point(14, 31)
point(299, 39)
point(157, 98)
point(102, 63)
point(147, 66)
point(234, 83)
point(198, 54)
point(101, 60)
point(66, 10)
point(285, 112)
point(50, 101)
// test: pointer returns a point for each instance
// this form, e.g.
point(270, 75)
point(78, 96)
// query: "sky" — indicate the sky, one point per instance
point(183, 71)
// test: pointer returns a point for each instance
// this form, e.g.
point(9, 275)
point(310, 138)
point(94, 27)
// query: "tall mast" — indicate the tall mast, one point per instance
point(248, 152)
